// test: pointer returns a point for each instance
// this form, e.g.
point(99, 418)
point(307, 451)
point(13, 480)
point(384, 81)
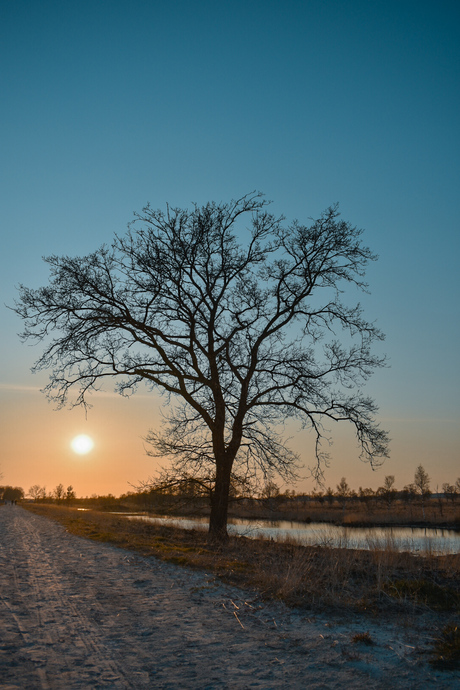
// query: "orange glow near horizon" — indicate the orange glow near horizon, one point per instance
point(37, 447)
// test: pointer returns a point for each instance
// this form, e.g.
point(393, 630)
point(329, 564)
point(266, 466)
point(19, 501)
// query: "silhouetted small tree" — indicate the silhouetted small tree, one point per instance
point(59, 493)
point(318, 496)
point(367, 497)
point(70, 494)
point(449, 491)
point(37, 492)
point(457, 487)
point(387, 492)
point(343, 493)
point(329, 495)
point(408, 495)
point(422, 486)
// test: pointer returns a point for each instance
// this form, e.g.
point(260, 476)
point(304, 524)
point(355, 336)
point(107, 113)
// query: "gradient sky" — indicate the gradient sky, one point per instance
point(108, 105)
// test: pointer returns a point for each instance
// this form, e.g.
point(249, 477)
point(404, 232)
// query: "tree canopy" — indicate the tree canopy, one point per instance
point(236, 316)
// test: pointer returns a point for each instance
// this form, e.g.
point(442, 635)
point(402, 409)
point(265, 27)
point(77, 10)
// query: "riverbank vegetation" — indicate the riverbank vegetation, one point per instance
point(371, 579)
point(437, 511)
point(415, 504)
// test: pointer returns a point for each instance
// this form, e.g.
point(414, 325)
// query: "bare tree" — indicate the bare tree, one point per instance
point(70, 494)
point(387, 492)
point(367, 497)
point(270, 490)
point(449, 491)
point(228, 319)
point(59, 493)
point(343, 493)
point(37, 492)
point(329, 495)
point(422, 485)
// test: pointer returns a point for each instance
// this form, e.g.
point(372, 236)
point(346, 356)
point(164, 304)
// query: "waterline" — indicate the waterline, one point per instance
point(413, 539)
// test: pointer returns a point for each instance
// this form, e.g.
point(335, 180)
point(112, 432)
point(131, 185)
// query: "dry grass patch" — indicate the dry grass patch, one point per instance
point(447, 648)
point(299, 575)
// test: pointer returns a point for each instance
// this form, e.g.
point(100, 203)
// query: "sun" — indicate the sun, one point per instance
point(82, 444)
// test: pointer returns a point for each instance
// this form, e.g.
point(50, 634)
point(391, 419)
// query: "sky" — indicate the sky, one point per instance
point(108, 105)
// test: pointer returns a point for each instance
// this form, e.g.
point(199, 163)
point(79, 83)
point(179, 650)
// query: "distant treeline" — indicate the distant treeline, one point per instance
point(11, 494)
point(188, 490)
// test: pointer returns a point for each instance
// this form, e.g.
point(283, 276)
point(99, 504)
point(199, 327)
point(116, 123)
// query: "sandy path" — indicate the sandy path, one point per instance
point(78, 614)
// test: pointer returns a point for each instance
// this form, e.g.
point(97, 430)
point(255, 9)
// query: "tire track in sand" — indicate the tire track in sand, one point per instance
point(80, 614)
point(54, 633)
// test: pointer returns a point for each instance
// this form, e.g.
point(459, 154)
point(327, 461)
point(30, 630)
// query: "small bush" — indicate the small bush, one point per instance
point(363, 638)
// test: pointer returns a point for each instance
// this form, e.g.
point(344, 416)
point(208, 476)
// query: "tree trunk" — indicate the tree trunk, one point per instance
point(219, 503)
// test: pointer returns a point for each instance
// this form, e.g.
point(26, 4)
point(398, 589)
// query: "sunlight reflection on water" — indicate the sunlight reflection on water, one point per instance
point(413, 539)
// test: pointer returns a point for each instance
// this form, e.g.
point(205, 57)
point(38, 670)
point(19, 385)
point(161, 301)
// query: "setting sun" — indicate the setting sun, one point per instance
point(82, 444)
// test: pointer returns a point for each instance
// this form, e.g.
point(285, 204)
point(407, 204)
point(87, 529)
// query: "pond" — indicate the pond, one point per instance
point(415, 540)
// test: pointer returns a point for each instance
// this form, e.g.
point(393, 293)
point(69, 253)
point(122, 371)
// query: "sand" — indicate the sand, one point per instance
point(79, 614)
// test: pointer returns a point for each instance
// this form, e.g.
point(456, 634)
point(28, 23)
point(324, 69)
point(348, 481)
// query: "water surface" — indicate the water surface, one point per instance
point(413, 539)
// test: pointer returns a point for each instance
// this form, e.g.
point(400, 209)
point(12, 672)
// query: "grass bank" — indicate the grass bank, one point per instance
point(376, 581)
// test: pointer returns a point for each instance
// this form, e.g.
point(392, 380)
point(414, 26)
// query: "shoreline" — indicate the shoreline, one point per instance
point(350, 518)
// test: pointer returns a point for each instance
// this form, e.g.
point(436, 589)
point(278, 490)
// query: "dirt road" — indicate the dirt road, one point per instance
point(80, 614)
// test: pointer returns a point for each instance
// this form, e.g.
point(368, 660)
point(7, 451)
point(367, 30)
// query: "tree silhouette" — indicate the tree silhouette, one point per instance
point(59, 493)
point(422, 485)
point(70, 494)
point(228, 320)
point(388, 491)
point(11, 493)
point(343, 493)
point(37, 492)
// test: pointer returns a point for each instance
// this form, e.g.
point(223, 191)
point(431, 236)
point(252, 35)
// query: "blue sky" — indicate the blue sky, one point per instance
point(110, 105)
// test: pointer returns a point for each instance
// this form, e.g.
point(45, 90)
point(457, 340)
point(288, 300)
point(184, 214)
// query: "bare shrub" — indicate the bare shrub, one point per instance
point(363, 638)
